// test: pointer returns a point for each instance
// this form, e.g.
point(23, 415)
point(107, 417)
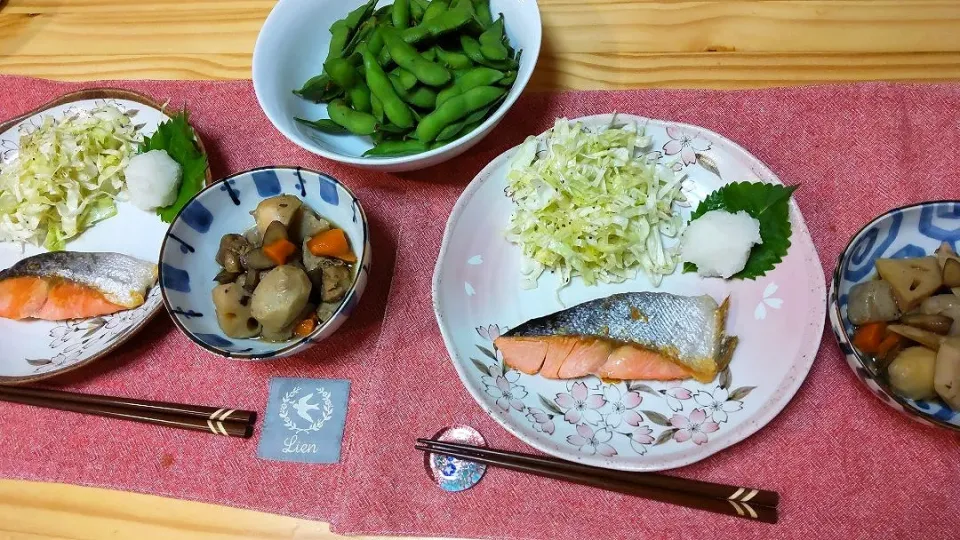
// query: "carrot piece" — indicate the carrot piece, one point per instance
point(888, 344)
point(868, 337)
point(305, 326)
point(332, 243)
point(279, 251)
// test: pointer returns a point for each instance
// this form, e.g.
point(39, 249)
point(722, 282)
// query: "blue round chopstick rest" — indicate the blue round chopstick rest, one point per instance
point(455, 474)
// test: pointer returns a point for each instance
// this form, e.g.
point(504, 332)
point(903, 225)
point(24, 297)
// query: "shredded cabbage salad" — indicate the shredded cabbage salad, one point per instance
point(593, 203)
point(66, 176)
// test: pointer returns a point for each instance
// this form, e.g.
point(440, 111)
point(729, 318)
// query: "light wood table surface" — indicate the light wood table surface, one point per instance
point(588, 44)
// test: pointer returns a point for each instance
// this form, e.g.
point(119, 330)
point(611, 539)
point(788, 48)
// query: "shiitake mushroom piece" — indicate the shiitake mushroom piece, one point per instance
point(257, 259)
point(275, 231)
point(938, 324)
point(232, 248)
point(226, 276)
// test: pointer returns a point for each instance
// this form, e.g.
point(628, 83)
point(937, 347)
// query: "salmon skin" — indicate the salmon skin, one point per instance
point(630, 336)
point(64, 285)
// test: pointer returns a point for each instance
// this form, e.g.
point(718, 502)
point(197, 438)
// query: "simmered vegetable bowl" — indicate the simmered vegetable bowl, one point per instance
point(284, 276)
point(908, 323)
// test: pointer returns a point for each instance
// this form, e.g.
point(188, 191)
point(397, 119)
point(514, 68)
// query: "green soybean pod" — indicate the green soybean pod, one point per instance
point(396, 148)
point(401, 14)
point(480, 76)
point(450, 132)
point(471, 47)
point(374, 43)
point(341, 71)
point(435, 8)
point(407, 80)
point(484, 15)
point(429, 54)
point(452, 59)
point(417, 11)
point(357, 16)
point(315, 88)
point(339, 36)
point(420, 96)
point(509, 79)
point(359, 97)
point(448, 21)
point(324, 125)
point(456, 108)
point(376, 107)
point(407, 57)
point(491, 41)
point(359, 123)
point(393, 107)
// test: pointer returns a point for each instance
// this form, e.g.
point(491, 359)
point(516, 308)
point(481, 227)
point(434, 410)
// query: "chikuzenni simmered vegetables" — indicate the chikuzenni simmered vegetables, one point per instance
point(590, 203)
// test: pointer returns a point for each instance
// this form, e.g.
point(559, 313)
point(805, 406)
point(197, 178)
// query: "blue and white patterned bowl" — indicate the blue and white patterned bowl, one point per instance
point(187, 258)
point(911, 231)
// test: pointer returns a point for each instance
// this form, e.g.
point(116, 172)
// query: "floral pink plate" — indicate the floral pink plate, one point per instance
point(630, 425)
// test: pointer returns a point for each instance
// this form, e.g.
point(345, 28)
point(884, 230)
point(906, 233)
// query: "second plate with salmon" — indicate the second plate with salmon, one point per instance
point(578, 320)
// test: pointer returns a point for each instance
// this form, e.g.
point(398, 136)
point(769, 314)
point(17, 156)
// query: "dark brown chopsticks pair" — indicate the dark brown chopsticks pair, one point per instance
point(742, 502)
point(219, 421)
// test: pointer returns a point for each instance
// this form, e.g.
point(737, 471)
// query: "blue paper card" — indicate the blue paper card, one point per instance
point(304, 420)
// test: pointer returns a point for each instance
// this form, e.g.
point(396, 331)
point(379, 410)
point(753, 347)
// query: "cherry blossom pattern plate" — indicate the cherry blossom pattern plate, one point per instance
point(35, 350)
point(630, 425)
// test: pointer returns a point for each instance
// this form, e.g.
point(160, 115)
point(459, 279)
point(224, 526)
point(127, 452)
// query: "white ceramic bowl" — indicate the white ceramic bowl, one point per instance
point(292, 46)
point(187, 257)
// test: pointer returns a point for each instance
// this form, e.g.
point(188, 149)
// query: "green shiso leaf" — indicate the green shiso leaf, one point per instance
point(177, 137)
point(768, 204)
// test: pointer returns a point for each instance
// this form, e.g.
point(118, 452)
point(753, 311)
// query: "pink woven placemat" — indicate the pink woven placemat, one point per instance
point(846, 465)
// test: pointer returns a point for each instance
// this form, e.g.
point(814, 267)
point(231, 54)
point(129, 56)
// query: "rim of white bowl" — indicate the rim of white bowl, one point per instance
point(519, 85)
point(365, 256)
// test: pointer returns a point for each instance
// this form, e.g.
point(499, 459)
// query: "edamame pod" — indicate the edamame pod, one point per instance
point(452, 59)
point(401, 14)
point(417, 10)
point(342, 73)
point(376, 107)
point(481, 76)
point(484, 15)
point(339, 36)
point(450, 132)
point(407, 80)
point(448, 21)
point(456, 108)
point(359, 96)
point(393, 107)
point(396, 148)
point(356, 122)
point(315, 88)
point(491, 41)
point(435, 8)
point(407, 57)
point(353, 19)
point(324, 125)
point(421, 96)
point(471, 47)
point(509, 79)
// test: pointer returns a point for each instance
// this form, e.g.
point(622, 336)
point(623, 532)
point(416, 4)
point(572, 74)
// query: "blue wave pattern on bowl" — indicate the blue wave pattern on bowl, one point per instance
point(187, 265)
point(913, 231)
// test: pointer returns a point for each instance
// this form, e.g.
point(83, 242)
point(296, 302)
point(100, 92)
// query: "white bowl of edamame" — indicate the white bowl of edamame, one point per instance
point(393, 85)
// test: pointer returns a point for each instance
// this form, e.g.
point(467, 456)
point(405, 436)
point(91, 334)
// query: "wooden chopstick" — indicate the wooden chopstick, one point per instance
point(745, 510)
point(740, 494)
point(211, 413)
point(150, 412)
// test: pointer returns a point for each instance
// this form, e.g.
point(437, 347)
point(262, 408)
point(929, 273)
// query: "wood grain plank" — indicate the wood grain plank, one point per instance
point(43, 510)
point(566, 71)
point(635, 27)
